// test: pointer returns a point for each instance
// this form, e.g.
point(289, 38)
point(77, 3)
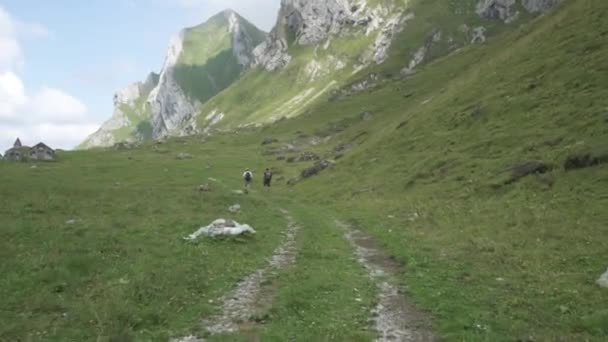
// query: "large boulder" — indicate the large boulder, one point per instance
point(603, 280)
point(221, 227)
point(581, 161)
point(318, 167)
point(539, 6)
point(496, 9)
point(527, 168)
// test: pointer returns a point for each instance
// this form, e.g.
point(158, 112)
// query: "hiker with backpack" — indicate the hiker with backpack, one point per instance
point(248, 177)
point(267, 178)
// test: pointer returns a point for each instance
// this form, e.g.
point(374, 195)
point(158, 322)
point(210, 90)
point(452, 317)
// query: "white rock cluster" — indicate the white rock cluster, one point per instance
point(506, 10)
point(310, 22)
point(221, 227)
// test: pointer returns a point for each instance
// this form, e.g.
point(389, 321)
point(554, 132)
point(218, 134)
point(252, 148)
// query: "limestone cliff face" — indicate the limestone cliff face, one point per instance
point(170, 101)
point(506, 10)
point(315, 22)
point(169, 105)
point(172, 107)
point(125, 115)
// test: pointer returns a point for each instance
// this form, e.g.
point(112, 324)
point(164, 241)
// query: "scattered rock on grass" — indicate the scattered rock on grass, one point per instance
point(527, 168)
point(235, 208)
point(221, 227)
point(71, 221)
point(603, 280)
point(581, 161)
point(307, 156)
point(367, 116)
point(269, 141)
point(318, 167)
point(183, 156)
point(293, 181)
point(204, 188)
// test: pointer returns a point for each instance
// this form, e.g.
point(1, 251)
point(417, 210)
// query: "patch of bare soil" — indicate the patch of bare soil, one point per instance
point(247, 304)
point(395, 318)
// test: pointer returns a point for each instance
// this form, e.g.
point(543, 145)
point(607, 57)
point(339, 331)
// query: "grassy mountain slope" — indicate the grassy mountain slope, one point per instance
point(130, 121)
point(208, 64)
point(291, 91)
point(490, 260)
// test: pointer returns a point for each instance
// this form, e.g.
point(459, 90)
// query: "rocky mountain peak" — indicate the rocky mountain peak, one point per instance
point(312, 22)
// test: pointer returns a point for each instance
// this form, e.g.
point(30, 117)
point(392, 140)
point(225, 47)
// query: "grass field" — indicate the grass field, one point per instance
point(489, 260)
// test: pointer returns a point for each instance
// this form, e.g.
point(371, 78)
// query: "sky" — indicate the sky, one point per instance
point(61, 61)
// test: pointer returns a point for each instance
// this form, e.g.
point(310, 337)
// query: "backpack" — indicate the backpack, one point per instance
point(248, 176)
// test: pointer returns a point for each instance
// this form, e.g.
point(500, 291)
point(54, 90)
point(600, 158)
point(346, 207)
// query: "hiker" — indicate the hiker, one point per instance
point(267, 178)
point(248, 177)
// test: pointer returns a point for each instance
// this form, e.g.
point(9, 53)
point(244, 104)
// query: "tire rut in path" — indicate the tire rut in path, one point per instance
point(250, 295)
point(394, 317)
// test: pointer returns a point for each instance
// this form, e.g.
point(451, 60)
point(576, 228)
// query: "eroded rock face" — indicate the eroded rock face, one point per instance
point(496, 9)
point(173, 112)
point(242, 41)
point(539, 6)
point(310, 22)
point(506, 10)
point(128, 96)
point(168, 103)
point(384, 40)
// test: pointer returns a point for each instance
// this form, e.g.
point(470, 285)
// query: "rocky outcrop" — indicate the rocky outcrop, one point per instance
point(243, 43)
point(169, 105)
point(496, 9)
point(272, 54)
point(539, 6)
point(124, 98)
point(380, 48)
point(506, 10)
point(171, 109)
point(310, 22)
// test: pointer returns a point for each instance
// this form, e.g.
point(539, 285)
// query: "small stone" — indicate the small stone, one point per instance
point(603, 280)
point(204, 188)
point(501, 280)
point(367, 116)
point(72, 221)
point(183, 156)
point(235, 208)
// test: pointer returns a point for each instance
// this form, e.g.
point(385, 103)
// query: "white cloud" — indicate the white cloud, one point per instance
point(48, 114)
point(12, 95)
point(57, 136)
point(54, 106)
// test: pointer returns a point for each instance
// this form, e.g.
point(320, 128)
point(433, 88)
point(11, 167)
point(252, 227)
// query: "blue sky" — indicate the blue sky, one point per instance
point(61, 61)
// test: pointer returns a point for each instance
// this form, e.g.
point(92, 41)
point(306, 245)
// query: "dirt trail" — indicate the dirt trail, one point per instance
point(394, 317)
point(250, 296)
